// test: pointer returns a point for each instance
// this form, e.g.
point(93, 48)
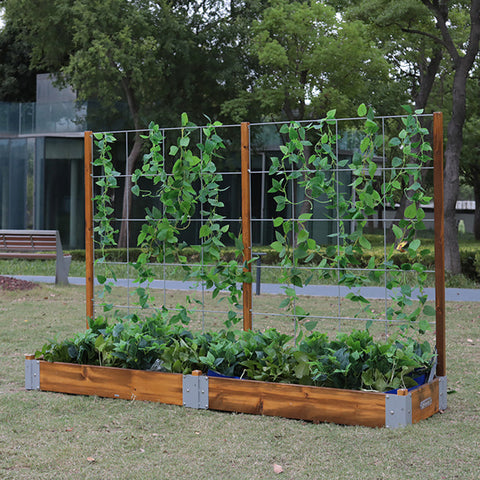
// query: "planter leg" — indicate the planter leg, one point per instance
point(442, 393)
point(195, 391)
point(32, 373)
point(398, 410)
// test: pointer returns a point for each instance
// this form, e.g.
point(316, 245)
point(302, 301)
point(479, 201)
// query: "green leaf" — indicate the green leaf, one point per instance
point(362, 110)
point(184, 141)
point(365, 243)
point(410, 211)
point(311, 325)
point(277, 221)
point(302, 236)
point(414, 245)
point(429, 311)
point(397, 231)
point(396, 162)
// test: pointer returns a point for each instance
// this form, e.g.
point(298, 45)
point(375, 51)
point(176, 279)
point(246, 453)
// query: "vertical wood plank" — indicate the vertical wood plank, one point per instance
point(89, 251)
point(439, 242)
point(425, 401)
point(246, 224)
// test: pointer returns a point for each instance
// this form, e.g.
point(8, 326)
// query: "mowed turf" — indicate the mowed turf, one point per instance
point(55, 436)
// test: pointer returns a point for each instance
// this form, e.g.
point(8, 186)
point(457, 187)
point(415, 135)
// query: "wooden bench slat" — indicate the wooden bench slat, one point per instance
point(29, 256)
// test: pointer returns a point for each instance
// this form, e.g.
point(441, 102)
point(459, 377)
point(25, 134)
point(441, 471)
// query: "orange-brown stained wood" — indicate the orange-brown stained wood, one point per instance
point(112, 382)
point(440, 332)
point(89, 251)
point(246, 224)
point(315, 404)
point(425, 402)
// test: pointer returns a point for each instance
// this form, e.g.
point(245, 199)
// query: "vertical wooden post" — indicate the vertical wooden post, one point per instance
point(89, 251)
point(246, 235)
point(439, 242)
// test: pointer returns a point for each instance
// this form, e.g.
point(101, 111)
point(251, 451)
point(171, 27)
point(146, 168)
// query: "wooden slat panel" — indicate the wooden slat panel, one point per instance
point(28, 255)
point(295, 401)
point(27, 242)
point(111, 382)
point(30, 232)
point(425, 401)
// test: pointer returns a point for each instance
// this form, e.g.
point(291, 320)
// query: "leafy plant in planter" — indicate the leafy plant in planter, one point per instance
point(353, 361)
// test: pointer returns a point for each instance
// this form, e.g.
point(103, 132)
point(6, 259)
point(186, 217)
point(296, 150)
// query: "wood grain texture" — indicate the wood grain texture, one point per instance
point(89, 249)
point(425, 401)
point(111, 382)
point(316, 404)
point(439, 243)
point(246, 223)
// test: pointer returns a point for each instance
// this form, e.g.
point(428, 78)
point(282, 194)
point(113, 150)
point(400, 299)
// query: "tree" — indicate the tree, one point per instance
point(470, 159)
point(462, 58)
point(160, 58)
point(17, 80)
point(457, 31)
point(310, 61)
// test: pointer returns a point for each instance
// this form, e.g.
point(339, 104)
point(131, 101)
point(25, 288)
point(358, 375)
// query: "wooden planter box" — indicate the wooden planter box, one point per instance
point(316, 404)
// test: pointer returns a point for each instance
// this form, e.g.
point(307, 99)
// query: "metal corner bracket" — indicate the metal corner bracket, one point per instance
point(442, 393)
point(195, 391)
point(32, 375)
point(398, 410)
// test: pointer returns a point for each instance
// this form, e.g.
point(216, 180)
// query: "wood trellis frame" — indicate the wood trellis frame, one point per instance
point(246, 232)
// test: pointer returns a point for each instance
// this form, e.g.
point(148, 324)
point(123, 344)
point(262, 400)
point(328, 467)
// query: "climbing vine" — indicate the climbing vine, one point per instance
point(184, 184)
point(318, 178)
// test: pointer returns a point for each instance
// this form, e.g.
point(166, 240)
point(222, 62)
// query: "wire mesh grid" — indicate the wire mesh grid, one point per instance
point(313, 298)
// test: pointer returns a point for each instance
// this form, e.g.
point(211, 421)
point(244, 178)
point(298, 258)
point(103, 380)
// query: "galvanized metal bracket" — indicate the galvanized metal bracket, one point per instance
point(195, 391)
point(32, 375)
point(442, 393)
point(398, 410)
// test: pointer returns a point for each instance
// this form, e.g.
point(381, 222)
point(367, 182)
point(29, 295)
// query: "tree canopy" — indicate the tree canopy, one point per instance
point(242, 60)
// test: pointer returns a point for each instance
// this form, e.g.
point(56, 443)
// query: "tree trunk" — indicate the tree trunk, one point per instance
point(463, 63)
point(427, 79)
point(127, 190)
point(452, 168)
point(131, 161)
point(476, 219)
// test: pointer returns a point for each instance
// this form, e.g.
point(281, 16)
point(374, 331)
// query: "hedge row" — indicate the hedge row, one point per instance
point(470, 258)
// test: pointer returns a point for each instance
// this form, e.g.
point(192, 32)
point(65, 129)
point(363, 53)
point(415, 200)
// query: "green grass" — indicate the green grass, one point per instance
point(47, 435)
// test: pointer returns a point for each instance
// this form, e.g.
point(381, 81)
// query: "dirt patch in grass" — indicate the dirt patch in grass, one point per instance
point(13, 284)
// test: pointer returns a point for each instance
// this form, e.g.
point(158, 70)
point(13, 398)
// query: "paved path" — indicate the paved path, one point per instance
point(451, 294)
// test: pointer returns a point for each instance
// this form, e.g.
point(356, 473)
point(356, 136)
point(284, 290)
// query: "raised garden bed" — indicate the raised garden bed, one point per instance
point(316, 404)
point(348, 381)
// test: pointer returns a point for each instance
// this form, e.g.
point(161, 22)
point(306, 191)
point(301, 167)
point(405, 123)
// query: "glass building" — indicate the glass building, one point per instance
point(41, 163)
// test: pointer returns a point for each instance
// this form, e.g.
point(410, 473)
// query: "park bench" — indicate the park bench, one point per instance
point(36, 244)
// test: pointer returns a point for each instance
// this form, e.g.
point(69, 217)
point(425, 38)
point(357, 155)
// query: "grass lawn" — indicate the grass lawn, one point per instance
point(46, 435)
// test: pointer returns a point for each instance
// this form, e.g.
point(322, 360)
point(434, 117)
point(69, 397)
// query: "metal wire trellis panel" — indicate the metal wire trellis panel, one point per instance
point(255, 148)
